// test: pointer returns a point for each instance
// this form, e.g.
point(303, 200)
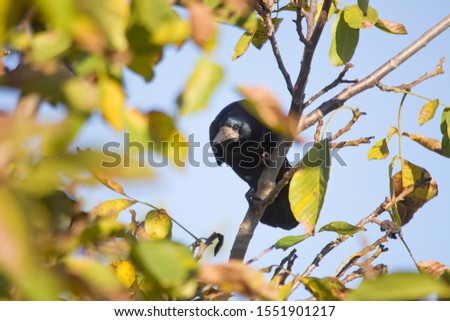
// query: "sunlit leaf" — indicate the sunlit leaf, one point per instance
point(343, 41)
point(342, 228)
point(400, 286)
point(110, 183)
point(161, 21)
point(325, 289)
point(356, 19)
point(290, 240)
point(87, 102)
point(260, 37)
point(391, 27)
point(411, 175)
point(18, 261)
point(200, 86)
point(242, 45)
point(48, 45)
point(381, 150)
point(125, 271)
point(308, 186)
point(236, 276)
point(427, 142)
point(112, 208)
point(267, 109)
point(427, 111)
point(112, 102)
point(204, 29)
point(95, 278)
point(433, 268)
point(378, 151)
point(111, 17)
point(168, 141)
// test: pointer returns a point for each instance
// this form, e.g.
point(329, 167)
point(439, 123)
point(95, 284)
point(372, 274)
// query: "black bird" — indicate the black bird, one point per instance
point(241, 141)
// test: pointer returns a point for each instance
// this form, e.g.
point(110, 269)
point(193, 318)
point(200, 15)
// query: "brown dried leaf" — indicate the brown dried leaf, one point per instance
point(203, 25)
point(421, 194)
point(235, 276)
point(267, 109)
point(434, 268)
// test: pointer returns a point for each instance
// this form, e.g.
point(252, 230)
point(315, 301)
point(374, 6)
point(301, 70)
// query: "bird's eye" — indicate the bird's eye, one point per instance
point(235, 127)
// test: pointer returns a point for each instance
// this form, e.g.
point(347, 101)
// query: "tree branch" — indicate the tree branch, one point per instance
point(266, 184)
point(371, 80)
point(339, 80)
point(265, 13)
point(308, 54)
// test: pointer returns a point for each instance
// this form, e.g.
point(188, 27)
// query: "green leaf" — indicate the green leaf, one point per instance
point(342, 228)
point(445, 146)
point(356, 19)
point(400, 286)
point(168, 264)
point(308, 186)
point(260, 35)
point(343, 41)
point(363, 5)
point(242, 45)
point(445, 122)
point(427, 111)
point(325, 289)
point(200, 86)
point(112, 208)
point(163, 24)
point(391, 27)
point(290, 240)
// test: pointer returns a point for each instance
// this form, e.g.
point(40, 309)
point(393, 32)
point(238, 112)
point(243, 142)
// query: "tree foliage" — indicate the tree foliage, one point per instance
point(72, 54)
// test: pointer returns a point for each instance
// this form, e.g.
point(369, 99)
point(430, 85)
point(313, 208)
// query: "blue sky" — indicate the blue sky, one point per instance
point(210, 200)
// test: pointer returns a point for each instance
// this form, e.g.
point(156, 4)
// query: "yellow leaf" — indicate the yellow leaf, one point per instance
point(125, 271)
point(111, 209)
point(112, 102)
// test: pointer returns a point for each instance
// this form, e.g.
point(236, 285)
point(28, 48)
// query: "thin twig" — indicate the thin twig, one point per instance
point(317, 133)
point(339, 80)
point(362, 140)
point(308, 54)
point(374, 78)
point(265, 13)
point(355, 257)
point(407, 87)
point(264, 252)
point(346, 128)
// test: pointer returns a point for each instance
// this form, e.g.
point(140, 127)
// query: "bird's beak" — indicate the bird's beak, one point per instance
point(224, 135)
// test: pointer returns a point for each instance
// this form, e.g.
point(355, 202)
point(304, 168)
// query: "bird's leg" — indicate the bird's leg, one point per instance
point(267, 160)
point(251, 196)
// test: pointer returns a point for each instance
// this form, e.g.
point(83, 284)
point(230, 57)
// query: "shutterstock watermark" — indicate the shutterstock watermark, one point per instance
point(184, 153)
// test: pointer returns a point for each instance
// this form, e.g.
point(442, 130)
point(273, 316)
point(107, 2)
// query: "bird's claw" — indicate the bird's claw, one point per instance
point(267, 160)
point(251, 196)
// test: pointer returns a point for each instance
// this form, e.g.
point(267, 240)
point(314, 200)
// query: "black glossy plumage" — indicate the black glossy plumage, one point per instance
point(242, 142)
